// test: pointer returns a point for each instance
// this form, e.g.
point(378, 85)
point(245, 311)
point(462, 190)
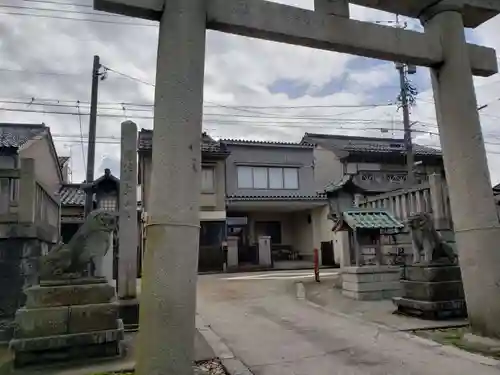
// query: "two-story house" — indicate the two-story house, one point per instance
point(349, 165)
point(271, 192)
point(212, 200)
point(29, 210)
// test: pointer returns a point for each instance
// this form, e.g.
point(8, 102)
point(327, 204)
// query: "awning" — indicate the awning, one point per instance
point(370, 219)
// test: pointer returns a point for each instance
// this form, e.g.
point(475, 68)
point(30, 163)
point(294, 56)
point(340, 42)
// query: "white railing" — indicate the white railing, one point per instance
point(430, 197)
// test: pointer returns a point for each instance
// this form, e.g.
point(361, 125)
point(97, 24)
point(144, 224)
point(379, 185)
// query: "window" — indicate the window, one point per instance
point(268, 178)
point(207, 180)
point(107, 203)
point(291, 178)
point(245, 179)
point(260, 178)
point(276, 178)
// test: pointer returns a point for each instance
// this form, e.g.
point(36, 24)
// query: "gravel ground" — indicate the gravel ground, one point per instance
point(213, 367)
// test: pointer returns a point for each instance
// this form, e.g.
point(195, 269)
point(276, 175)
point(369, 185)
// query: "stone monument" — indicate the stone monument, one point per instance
point(70, 314)
point(128, 232)
point(432, 285)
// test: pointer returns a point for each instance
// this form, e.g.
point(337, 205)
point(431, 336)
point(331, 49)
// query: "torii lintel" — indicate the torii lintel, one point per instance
point(287, 24)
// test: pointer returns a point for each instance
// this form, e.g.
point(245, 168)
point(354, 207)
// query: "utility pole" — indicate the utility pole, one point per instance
point(92, 134)
point(402, 68)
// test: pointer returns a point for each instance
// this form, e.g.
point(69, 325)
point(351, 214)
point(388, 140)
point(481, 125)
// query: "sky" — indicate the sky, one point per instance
point(253, 89)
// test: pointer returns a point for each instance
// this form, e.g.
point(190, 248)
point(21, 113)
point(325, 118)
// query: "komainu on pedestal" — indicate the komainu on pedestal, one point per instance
point(432, 285)
point(70, 314)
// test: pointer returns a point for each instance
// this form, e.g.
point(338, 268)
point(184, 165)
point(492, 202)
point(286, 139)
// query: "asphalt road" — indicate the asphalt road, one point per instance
point(272, 332)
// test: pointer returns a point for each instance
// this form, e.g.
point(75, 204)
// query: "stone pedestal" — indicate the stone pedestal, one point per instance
point(66, 321)
point(371, 283)
point(20, 249)
point(432, 292)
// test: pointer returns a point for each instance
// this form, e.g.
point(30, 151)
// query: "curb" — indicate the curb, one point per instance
point(451, 350)
point(232, 364)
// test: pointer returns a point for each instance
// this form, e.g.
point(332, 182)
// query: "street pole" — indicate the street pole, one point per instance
point(92, 134)
point(407, 126)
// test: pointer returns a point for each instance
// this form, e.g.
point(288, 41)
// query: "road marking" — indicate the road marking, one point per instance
point(278, 276)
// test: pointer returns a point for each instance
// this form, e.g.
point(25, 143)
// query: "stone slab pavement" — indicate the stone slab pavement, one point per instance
point(380, 312)
point(273, 333)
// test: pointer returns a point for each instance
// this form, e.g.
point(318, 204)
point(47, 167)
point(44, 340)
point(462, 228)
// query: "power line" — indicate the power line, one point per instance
point(259, 116)
point(106, 68)
point(78, 19)
point(290, 120)
point(39, 73)
point(81, 137)
point(259, 107)
point(33, 101)
point(61, 11)
point(58, 3)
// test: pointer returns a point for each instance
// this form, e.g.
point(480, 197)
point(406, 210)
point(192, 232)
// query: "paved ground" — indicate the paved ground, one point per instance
point(380, 312)
point(273, 333)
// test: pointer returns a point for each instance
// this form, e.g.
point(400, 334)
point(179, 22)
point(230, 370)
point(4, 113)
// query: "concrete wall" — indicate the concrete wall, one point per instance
point(20, 249)
point(322, 226)
point(270, 156)
point(215, 201)
point(7, 162)
point(209, 202)
point(46, 168)
point(303, 234)
point(327, 168)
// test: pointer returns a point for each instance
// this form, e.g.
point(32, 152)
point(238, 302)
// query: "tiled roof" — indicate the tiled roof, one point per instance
point(265, 143)
point(208, 144)
point(63, 160)
point(353, 144)
point(371, 219)
point(354, 181)
point(72, 195)
point(279, 198)
point(16, 135)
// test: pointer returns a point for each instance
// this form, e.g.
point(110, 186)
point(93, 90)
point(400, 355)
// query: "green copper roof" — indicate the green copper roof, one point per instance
point(371, 219)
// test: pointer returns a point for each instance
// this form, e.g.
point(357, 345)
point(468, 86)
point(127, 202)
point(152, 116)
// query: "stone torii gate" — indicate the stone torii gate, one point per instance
point(169, 289)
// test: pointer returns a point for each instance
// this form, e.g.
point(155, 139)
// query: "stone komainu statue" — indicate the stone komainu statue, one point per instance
point(426, 239)
point(90, 242)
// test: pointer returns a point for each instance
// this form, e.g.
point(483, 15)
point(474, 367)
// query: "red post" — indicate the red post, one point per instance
point(316, 265)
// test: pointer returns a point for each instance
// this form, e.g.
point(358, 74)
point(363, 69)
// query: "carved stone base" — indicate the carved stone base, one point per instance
point(371, 283)
point(432, 292)
point(439, 310)
point(66, 322)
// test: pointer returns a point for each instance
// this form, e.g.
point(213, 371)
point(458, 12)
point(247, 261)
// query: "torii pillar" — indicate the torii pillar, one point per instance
point(475, 218)
point(167, 313)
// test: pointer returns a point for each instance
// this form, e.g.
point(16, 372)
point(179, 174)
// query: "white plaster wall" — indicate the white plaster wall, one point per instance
point(46, 169)
point(303, 233)
point(327, 168)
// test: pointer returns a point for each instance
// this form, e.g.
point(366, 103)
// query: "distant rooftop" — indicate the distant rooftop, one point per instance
point(246, 142)
point(17, 135)
point(63, 160)
point(72, 195)
point(356, 144)
point(208, 144)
